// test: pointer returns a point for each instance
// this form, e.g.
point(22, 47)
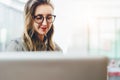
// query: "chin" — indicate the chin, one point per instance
point(43, 33)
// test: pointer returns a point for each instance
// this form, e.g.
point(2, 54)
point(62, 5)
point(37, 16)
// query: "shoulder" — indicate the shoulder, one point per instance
point(57, 47)
point(15, 45)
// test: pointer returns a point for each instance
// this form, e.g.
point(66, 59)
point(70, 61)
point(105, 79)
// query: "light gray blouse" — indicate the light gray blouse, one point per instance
point(18, 45)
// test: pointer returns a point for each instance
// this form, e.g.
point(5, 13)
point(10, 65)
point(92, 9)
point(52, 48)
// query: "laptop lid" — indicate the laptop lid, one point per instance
point(52, 67)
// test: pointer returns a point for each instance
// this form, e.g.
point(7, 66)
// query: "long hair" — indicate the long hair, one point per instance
point(30, 37)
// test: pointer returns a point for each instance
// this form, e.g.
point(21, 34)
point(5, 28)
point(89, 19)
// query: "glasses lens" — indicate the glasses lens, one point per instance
point(50, 18)
point(38, 19)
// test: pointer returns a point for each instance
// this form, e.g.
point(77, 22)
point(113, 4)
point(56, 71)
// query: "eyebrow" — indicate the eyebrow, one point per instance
point(42, 14)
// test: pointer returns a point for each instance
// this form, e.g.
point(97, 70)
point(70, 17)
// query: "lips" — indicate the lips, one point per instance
point(44, 28)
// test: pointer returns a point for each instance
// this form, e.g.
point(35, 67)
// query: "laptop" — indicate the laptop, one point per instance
point(38, 66)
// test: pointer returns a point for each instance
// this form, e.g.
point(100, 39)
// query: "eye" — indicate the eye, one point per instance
point(39, 17)
point(49, 17)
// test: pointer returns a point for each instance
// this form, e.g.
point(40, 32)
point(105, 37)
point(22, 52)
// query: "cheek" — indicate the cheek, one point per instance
point(35, 25)
point(50, 25)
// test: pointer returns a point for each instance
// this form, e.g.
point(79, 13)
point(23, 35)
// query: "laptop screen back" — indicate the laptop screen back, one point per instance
point(48, 68)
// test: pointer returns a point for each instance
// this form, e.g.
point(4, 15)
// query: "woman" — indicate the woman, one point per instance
point(38, 30)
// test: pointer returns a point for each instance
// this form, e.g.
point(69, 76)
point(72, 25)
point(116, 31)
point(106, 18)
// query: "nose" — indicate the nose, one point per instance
point(44, 22)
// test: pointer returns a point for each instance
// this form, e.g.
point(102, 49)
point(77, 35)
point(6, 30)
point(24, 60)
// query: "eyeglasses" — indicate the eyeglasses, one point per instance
point(40, 18)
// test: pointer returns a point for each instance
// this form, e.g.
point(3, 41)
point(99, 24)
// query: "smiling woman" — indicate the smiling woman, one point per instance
point(38, 28)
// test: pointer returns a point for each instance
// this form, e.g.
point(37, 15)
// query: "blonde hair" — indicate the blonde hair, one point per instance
point(30, 37)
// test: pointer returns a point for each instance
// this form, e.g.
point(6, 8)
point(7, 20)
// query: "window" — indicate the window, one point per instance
point(82, 26)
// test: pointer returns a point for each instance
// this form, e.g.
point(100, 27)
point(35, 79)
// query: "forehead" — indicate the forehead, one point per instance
point(44, 9)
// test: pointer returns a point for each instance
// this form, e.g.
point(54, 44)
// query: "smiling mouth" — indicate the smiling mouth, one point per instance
point(43, 28)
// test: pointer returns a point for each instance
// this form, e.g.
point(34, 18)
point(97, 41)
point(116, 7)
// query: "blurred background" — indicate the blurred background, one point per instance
point(84, 26)
point(81, 27)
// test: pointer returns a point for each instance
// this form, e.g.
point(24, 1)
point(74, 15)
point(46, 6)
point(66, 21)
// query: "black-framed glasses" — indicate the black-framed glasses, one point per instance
point(40, 18)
